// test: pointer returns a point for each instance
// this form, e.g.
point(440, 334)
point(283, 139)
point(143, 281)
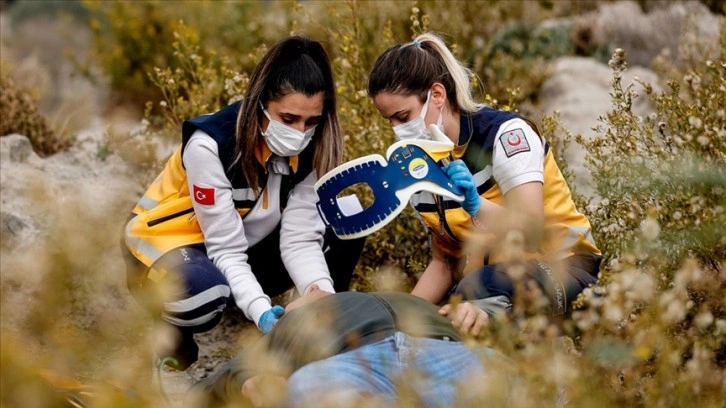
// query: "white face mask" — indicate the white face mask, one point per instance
point(284, 140)
point(416, 128)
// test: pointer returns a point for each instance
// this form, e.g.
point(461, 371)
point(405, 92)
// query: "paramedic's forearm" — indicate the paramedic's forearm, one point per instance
point(525, 213)
point(434, 283)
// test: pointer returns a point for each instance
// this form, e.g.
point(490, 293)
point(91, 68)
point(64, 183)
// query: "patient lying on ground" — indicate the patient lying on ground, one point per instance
point(346, 346)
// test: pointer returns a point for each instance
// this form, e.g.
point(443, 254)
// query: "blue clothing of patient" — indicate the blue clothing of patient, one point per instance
point(355, 344)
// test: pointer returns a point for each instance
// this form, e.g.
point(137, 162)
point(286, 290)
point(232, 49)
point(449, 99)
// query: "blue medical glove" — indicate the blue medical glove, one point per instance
point(270, 318)
point(461, 177)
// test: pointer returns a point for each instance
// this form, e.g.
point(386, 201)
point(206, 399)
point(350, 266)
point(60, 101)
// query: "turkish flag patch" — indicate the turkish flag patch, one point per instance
point(204, 196)
point(514, 142)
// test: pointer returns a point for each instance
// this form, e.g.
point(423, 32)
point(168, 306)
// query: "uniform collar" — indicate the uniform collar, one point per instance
point(465, 131)
point(263, 154)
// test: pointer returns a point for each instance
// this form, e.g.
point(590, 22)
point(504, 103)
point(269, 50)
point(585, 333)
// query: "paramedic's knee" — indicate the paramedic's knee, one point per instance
point(488, 288)
point(485, 282)
point(199, 293)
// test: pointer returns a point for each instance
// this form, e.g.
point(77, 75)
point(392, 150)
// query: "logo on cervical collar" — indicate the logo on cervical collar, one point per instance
point(411, 167)
point(418, 168)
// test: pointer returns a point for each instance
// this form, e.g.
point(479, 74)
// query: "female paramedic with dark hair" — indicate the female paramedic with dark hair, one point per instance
point(233, 214)
point(511, 183)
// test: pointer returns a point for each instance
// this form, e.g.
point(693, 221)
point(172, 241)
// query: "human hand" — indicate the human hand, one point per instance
point(460, 175)
point(270, 318)
point(466, 317)
point(264, 390)
point(313, 293)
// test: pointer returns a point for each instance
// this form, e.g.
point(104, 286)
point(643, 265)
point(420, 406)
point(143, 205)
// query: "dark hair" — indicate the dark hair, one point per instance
point(411, 69)
point(295, 64)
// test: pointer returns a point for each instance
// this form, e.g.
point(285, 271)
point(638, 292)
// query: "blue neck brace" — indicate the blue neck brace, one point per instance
point(411, 167)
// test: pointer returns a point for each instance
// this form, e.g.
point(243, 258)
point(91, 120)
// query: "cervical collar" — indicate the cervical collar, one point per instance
point(411, 167)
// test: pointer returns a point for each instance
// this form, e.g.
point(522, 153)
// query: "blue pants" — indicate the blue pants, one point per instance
point(204, 291)
point(493, 288)
point(433, 369)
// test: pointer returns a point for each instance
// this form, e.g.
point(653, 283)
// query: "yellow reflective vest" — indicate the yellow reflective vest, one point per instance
point(163, 218)
point(567, 231)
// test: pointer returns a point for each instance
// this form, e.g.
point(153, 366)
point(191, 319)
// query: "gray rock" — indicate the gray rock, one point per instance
point(579, 89)
point(646, 35)
point(16, 148)
point(15, 230)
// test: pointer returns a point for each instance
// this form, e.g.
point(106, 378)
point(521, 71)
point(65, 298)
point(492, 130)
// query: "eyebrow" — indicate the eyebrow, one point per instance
point(294, 116)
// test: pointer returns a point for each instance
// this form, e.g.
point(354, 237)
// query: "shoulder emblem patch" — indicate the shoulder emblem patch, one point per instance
point(514, 142)
point(204, 196)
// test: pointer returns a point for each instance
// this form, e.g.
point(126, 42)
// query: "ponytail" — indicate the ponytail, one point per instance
point(459, 74)
point(411, 69)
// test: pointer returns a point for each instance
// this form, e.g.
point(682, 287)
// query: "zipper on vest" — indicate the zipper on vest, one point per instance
point(169, 217)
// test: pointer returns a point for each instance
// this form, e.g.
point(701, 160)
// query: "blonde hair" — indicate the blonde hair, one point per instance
point(412, 68)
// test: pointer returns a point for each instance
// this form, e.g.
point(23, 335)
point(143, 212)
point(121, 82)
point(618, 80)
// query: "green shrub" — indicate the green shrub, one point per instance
point(122, 31)
point(198, 81)
point(654, 333)
point(19, 114)
point(132, 39)
point(663, 173)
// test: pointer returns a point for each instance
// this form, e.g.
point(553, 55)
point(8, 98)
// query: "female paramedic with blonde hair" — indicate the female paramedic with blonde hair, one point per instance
point(511, 183)
point(232, 216)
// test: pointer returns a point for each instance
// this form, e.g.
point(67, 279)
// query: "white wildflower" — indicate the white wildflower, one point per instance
point(689, 273)
point(674, 358)
point(673, 309)
point(585, 319)
point(703, 319)
point(562, 370)
point(642, 288)
point(650, 228)
point(720, 327)
point(613, 313)
point(694, 121)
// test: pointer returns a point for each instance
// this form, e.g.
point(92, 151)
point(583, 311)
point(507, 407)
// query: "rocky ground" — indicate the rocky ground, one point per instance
point(68, 210)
